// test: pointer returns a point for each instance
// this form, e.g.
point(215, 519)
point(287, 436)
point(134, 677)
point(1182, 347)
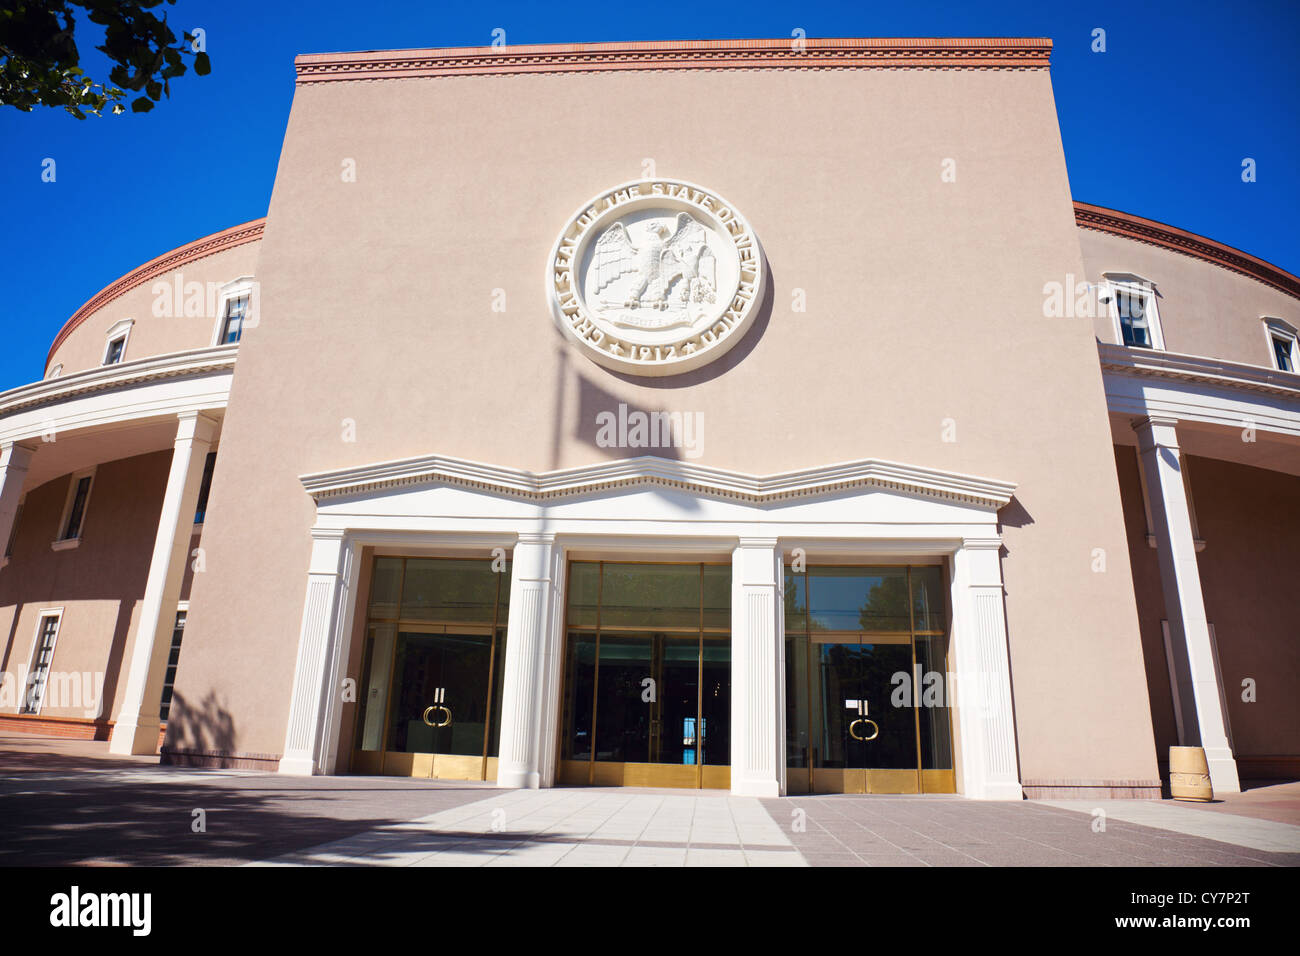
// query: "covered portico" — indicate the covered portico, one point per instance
point(1171, 407)
point(657, 509)
point(75, 423)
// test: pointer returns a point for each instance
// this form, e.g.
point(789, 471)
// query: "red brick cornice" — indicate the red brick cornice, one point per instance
point(779, 53)
point(1155, 233)
point(198, 249)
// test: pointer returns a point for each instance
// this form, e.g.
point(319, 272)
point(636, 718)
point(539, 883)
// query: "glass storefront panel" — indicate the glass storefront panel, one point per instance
point(444, 671)
point(584, 593)
point(716, 586)
point(386, 588)
point(715, 699)
point(662, 596)
point(855, 722)
point(798, 742)
point(579, 685)
point(858, 599)
point(621, 716)
point(432, 668)
point(647, 673)
point(933, 706)
point(929, 599)
point(445, 591)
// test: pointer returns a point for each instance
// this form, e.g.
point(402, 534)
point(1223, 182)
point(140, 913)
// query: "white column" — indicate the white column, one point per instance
point(314, 697)
point(14, 461)
point(1180, 580)
point(528, 641)
point(985, 721)
point(757, 669)
point(136, 730)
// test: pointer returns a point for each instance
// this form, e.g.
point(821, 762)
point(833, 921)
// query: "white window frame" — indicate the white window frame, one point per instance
point(61, 543)
point(119, 330)
point(1131, 284)
point(42, 617)
point(1275, 328)
point(244, 285)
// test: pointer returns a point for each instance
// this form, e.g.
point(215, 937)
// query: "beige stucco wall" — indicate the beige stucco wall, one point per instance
point(925, 303)
point(1204, 308)
point(99, 584)
point(175, 330)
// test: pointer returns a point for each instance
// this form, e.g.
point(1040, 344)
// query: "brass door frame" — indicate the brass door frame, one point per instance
point(436, 766)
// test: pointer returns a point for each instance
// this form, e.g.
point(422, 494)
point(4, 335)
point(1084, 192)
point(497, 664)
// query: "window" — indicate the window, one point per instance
point(173, 657)
point(13, 532)
point(74, 510)
point(205, 487)
point(232, 325)
point(47, 631)
point(115, 351)
point(56, 371)
point(1134, 311)
point(1283, 347)
point(237, 311)
point(1133, 319)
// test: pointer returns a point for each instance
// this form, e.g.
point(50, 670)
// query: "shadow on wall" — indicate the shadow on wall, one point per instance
point(203, 730)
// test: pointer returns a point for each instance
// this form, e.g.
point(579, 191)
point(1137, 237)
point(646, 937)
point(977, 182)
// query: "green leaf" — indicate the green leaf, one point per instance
point(201, 65)
point(141, 105)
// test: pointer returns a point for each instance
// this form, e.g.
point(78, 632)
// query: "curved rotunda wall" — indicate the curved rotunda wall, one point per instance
point(1204, 308)
point(173, 300)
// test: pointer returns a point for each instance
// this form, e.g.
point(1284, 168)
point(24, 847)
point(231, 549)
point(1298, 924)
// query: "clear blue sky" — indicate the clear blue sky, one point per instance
point(1158, 125)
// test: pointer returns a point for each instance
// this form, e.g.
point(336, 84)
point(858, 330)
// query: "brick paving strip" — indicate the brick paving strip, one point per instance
point(952, 831)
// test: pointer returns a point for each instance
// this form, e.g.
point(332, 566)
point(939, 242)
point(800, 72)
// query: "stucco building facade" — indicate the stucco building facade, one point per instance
point(746, 443)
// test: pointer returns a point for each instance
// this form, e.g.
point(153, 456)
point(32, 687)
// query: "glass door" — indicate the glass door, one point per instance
point(865, 745)
point(647, 698)
point(866, 679)
point(432, 669)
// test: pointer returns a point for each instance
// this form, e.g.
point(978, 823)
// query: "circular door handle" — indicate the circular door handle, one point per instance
point(445, 710)
point(875, 729)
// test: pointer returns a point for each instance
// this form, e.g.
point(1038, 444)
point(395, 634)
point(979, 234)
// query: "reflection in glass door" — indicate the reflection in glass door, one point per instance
point(647, 693)
point(866, 679)
point(432, 669)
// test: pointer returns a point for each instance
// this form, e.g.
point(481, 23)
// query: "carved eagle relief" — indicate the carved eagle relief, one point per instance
point(668, 273)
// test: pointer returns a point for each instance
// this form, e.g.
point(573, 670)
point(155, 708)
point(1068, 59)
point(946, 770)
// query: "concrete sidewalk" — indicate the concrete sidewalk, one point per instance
point(67, 802)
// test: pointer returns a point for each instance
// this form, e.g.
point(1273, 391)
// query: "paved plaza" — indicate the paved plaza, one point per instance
point(68, 803)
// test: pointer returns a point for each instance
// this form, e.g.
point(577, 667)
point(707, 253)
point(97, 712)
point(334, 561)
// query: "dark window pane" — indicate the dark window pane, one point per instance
point(205, 488)
point(622, 717)
point(78, 511)
point(579, 683)
point(1282, 349)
